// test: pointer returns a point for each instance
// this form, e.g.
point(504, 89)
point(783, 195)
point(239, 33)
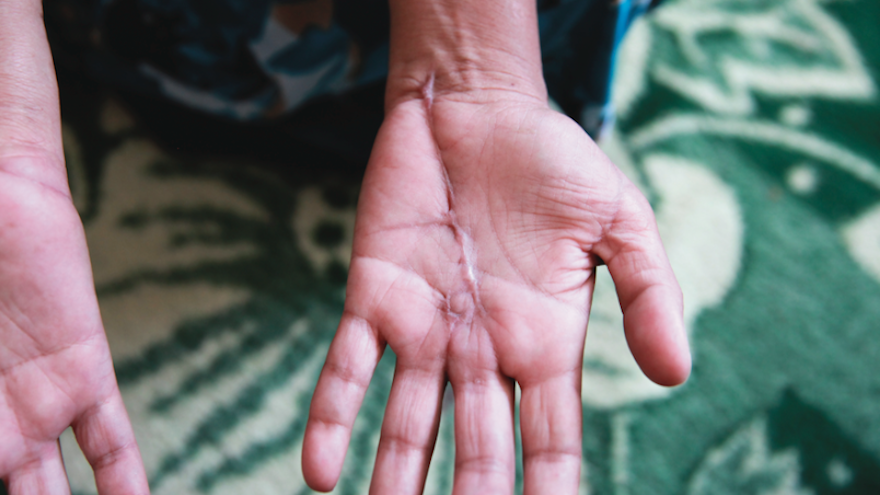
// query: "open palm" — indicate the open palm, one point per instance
point(55, 367)
point(478, 230)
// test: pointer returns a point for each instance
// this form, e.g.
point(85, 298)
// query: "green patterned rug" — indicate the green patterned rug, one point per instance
point(754, 128)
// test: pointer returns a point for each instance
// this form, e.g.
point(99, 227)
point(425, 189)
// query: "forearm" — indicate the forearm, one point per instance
point(30, 121)
point(466, 48)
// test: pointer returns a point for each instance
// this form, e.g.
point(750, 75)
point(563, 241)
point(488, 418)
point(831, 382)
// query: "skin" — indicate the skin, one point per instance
point(482, 217)
point(55, 366)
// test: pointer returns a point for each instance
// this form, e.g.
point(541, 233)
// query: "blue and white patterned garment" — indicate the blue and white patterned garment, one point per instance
point(253, 60)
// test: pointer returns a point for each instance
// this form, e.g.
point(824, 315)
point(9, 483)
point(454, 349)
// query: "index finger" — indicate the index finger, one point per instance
point(351, 360)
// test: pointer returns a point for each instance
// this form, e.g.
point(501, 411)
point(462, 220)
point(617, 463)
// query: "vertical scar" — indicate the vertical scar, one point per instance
point(463, 303)
point(428, 92)
point(468, 254)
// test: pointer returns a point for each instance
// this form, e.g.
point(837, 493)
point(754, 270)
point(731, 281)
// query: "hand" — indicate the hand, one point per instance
point(480, 223)
point(55, 367)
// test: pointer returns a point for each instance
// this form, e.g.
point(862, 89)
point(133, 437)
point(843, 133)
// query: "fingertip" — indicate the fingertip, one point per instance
point(678, 373)
point(671, 370)
point(657, 337)
point(324, 448)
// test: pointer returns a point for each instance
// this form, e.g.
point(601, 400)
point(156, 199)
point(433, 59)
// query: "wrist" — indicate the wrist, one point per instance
point(475, 51)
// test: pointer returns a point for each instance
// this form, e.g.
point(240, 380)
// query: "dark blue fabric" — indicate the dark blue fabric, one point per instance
point(247, 60)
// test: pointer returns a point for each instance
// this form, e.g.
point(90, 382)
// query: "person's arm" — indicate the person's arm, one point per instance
point(55, 367)
point(464, 49)
point(30, 120)
point(481, 219)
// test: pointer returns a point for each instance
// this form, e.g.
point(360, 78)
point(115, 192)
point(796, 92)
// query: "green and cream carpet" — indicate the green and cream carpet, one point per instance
point(754, 128)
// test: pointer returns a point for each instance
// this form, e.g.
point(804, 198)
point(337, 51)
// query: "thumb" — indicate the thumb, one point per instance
point(648, 292)
point(30, 122)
